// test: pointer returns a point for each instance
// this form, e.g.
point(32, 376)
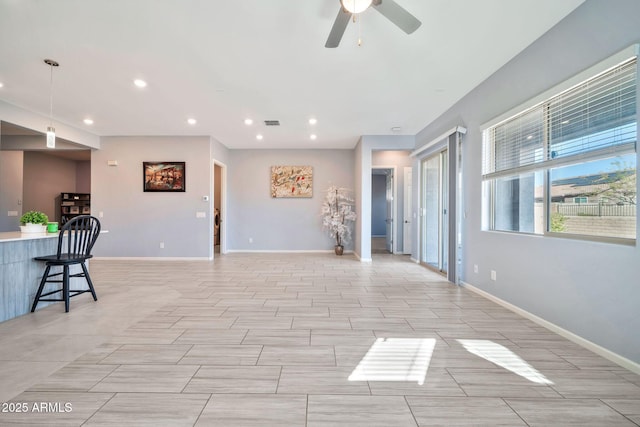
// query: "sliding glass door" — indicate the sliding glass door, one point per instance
point(435, 221)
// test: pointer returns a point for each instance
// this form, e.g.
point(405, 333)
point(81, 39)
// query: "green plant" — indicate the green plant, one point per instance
point(558, 222)
point(34, 217)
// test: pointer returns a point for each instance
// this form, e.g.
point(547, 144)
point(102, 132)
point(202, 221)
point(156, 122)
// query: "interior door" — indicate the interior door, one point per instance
point(407, 241)
point(389, 221)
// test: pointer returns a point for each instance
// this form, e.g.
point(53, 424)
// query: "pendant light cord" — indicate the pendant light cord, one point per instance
point(51, 63)
point(51, 96)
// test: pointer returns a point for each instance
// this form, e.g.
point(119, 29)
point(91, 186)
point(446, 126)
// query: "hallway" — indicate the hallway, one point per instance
point(300, 340)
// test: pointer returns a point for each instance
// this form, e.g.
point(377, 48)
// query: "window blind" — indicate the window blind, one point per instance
point(595, 118)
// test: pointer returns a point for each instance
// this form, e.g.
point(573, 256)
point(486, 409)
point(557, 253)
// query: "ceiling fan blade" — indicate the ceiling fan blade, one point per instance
point(398, 15)
point(339, 26)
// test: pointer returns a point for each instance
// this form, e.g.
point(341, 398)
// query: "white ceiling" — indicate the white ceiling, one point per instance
point(221, 61)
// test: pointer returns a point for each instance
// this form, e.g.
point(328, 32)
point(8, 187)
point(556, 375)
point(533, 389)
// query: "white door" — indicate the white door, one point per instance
point(408, 207)
point(389, 237)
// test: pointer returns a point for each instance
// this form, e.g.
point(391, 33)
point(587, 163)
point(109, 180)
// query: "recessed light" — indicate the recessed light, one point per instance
point(192, 121)
point(313, 121)
point(1, 84)
point(248, 122)
point(88, 121)
point(313, 137)
point(140, 83)
point(259, 137)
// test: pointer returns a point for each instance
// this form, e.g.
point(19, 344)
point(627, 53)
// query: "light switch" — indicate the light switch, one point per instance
point(12, 213)
point(201, 214)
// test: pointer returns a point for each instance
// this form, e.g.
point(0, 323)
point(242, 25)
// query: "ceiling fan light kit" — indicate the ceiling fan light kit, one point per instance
point(356, 6)
point(387, 8)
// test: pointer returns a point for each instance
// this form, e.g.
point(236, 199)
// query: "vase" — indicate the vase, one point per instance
point(33, 228)
point(339, 249)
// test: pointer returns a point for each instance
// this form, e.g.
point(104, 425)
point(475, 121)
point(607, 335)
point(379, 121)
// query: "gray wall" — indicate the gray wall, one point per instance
point(45, 177)
point(588, 288)
point(378, 205)
point(281, 224)
point(83, 176)
point(137, 221)
point(11, 166)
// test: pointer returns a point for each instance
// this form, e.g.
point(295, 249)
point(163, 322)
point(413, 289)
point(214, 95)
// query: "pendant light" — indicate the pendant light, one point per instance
point(51, 131)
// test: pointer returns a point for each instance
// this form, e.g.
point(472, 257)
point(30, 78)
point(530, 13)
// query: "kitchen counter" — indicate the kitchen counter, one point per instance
point(12, 236)
point(20, 274)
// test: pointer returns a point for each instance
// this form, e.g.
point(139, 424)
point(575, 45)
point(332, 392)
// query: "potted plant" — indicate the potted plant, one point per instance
point(34, 222)
point(337, 215)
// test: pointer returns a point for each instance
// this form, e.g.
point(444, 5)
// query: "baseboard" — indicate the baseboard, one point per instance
point(357, 255)
point(269, 251)
point(599, 350)
point(151, 258)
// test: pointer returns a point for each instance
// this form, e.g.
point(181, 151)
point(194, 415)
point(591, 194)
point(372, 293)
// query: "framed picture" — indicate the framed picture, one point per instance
point(163, 176)
point(291, 181)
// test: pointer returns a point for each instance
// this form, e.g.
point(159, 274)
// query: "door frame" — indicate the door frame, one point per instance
point(452, 143)
point(407, 227)
point(223, 208)
point(439, 158)
point(394, 204)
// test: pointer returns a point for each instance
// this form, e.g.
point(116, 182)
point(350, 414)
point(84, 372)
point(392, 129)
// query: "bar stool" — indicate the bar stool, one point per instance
point(75, 241)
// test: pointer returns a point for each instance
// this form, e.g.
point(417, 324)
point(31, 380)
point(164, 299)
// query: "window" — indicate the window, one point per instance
point(567, 166)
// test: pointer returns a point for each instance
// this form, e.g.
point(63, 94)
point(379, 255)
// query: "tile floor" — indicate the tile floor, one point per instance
point(272, 340)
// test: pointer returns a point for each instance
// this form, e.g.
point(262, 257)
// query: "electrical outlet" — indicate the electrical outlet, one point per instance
point(493, 275)
point(161, 245)
point(250, 239)
point(475, 268)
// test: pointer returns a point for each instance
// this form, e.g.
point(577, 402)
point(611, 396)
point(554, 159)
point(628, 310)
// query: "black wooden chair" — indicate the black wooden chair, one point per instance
point(75, 242)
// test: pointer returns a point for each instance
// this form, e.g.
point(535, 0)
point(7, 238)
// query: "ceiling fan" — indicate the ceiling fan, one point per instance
point(388, 8)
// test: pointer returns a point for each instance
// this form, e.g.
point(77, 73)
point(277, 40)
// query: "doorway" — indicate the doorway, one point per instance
point(383, 209)
point(218, 215)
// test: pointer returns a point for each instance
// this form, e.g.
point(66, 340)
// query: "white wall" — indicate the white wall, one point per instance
point(588, 288)
point(30, 120)
point(281, 224)
point(137, 221)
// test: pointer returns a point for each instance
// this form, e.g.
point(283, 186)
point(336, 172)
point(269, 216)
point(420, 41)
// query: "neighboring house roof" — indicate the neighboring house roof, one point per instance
point(587, 185)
